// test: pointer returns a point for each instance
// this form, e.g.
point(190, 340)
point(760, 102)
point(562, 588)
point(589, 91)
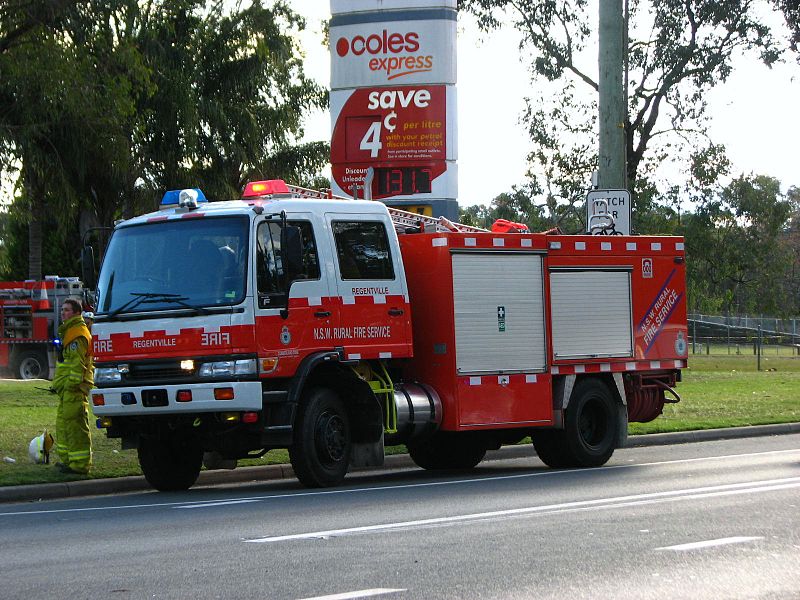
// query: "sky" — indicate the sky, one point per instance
point(754, 114)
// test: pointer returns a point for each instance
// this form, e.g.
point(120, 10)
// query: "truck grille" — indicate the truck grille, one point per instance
point(157, 371)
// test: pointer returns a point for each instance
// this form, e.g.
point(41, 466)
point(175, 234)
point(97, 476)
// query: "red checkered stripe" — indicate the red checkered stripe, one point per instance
point(611, 244)
point(519, 241)
point(370, 299)
point(617, 367)
point(161, 333)
point(520, 379)
point(515, 379)
point(615, 245)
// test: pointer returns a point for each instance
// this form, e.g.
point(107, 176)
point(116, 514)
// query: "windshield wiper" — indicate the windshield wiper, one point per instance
point(152, 298)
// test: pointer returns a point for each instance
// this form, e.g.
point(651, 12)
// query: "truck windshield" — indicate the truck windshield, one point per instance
point(176, 264)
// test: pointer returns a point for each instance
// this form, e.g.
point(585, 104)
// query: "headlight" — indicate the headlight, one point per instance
point(224, 368)
point(107, 375)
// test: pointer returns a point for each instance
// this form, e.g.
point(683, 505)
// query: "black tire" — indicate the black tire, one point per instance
point(550, 445)
point(170, 465)
point(590, 426)
point(31, 364)
point(320, 455)
point(447, 451)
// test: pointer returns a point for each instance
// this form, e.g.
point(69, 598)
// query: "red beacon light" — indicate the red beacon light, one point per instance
point(269, 188)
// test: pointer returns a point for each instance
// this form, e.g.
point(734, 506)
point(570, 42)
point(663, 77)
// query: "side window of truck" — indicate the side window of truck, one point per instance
point(362, 248)
point(269, 266)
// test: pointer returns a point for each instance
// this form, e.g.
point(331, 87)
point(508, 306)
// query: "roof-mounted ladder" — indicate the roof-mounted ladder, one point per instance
point(402, 219)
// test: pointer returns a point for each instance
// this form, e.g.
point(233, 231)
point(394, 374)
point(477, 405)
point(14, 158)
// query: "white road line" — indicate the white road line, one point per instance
point(711, 543)
point(379, 488)
point(219, 503)
point(358, 594)
point(599, 503)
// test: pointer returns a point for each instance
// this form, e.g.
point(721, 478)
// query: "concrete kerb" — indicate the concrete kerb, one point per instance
point(95, 487)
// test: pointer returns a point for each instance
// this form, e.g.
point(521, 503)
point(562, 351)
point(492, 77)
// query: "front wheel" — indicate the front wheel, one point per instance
point(170, 465)
point(320, 454)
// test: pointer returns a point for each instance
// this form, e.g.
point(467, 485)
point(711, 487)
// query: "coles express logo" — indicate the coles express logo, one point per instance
point(399, 49)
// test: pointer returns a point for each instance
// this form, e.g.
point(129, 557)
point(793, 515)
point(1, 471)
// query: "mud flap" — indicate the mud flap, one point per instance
point(368, 454)
point(622, 425)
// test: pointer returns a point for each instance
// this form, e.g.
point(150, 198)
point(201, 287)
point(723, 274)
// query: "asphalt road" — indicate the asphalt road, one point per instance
point(705, 520)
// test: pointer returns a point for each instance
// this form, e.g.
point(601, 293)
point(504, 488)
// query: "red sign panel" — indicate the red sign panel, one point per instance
point(401, 132)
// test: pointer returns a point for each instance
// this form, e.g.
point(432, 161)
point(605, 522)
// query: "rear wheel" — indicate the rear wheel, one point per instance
point(590, 429)
point(591, 424)
point(31, 364)
point(550, 446)
point(170, 465)
point(445, 450)
point(320, 455)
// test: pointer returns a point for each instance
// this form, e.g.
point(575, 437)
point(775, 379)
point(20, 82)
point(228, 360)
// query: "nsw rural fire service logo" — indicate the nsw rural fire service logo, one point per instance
point(647, 268)
point(286, 337)
point(680, 344)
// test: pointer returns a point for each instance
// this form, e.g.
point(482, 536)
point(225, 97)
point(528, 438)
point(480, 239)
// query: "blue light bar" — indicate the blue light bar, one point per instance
point(173, 196)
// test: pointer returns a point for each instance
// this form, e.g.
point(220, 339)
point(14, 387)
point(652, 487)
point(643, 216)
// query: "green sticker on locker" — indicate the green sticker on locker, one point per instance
point(501, 318)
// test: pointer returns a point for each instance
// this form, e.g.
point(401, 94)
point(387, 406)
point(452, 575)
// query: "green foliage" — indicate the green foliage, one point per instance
point(677, 51)
point(791, 13)
point(130, 99)
point(736, 245)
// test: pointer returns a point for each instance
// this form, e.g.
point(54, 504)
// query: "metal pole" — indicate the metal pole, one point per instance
point(694, 336)
point(758, 348)
point(611, 97)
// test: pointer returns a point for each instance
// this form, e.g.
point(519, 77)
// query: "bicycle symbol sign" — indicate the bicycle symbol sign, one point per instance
point(608, 212)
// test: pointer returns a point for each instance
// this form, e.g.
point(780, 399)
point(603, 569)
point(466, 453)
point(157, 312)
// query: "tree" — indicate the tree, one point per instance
point(737, 248)
point(791, 13)
point(107, 105)
point(36, 66)
point(677, 51)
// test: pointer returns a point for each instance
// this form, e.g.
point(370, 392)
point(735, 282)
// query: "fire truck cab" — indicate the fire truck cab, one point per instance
point(291, 319)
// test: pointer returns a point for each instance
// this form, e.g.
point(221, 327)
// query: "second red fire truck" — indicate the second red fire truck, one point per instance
point(331, 327)
point(29, 316)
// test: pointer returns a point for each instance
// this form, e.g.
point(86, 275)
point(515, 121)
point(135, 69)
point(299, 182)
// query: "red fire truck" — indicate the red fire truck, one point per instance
point(331, 327)
point(30, 316)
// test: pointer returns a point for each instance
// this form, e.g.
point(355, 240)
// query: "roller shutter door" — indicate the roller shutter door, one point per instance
point(498, 312)
point(591, 312)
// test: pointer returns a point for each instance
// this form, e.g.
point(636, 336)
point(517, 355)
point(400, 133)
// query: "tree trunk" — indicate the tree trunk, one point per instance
point(36, 200)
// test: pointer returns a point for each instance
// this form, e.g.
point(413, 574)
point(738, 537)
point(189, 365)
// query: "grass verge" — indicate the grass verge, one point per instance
point(717, 391)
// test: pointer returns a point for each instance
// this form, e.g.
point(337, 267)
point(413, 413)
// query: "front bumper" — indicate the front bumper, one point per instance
point(246, 397)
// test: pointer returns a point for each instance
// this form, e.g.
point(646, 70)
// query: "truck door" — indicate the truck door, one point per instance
point(308, 308)
point(375, 319)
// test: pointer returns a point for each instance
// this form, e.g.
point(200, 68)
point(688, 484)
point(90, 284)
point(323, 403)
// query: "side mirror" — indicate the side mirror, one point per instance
point(87, 268)
point(291, 253)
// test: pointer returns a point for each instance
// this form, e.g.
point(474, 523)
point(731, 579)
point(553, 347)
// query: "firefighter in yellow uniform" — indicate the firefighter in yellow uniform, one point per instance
point(73, 379)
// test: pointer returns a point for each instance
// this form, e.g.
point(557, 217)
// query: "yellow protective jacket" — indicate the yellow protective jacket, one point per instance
point(75, 373)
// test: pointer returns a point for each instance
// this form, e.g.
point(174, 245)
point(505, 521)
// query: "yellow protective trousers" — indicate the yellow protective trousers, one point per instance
point(73, 437)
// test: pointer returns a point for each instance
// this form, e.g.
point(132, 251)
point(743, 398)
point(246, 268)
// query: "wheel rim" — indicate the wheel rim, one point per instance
point(593, 424)
point(30, 368)
point(330, 438)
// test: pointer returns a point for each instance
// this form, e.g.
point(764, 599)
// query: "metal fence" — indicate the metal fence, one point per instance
point(775, 325)
point(743, 335)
